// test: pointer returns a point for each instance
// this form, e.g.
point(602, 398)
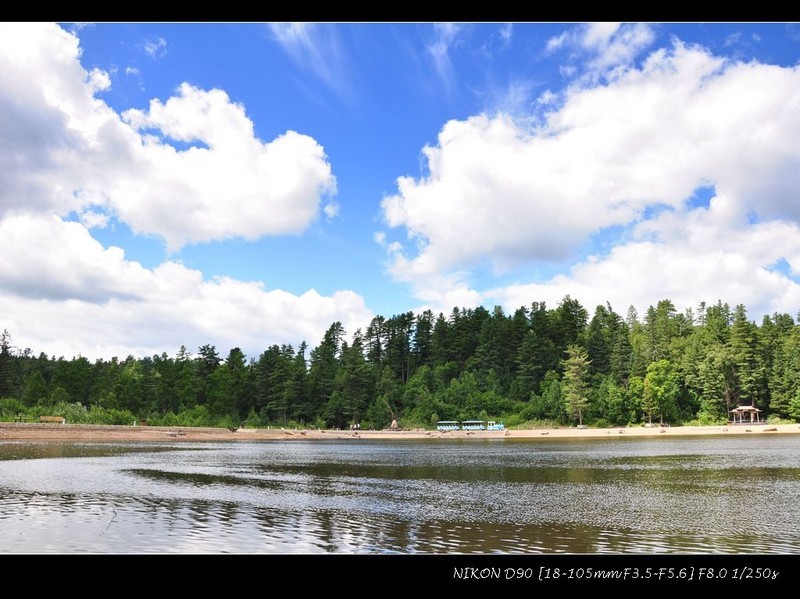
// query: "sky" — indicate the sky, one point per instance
point(248, 184)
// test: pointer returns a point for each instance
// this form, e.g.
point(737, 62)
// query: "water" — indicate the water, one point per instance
point(632, 496)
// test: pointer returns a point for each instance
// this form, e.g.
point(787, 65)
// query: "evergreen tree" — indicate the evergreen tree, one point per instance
point(6, 367)
point(576, 386)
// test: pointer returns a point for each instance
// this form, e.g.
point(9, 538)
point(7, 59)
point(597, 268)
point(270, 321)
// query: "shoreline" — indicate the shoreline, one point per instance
point(13, 431)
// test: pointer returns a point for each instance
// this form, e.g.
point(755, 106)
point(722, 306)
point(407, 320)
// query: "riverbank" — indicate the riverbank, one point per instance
point(13, 431)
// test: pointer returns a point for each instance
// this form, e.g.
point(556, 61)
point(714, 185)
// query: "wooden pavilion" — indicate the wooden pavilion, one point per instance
point(746, 415)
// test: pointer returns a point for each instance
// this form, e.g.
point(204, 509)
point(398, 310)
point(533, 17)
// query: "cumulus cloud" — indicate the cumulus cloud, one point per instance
point(231, 185)
point(73, 296)
point(188, 169)
point(698, 257)
point(497, 195)
point(99, 80)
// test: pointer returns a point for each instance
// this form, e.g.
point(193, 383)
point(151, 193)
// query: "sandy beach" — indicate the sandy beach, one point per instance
point(12, 431)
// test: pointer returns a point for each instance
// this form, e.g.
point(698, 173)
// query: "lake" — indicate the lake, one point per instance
point(709, 495)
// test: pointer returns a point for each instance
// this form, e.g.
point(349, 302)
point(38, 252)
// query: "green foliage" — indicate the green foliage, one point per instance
point(196, 416)
point(794, 407)
point(10, 407)
point(682, 367)
point(74, 413)
point(706, 419)
point(661, 389)
point(612, 403)
point(252, 421)
point(575, 383)
point(98, 415)
point(776, 420)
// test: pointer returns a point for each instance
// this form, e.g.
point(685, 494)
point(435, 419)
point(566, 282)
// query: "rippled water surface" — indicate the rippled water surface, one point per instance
point(709, 495)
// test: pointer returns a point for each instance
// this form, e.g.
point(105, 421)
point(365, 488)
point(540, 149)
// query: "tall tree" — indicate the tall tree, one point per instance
point(323, 369)
point(661, 389)
point(748, 365)
point(576, 385)
point(569, 323)
point(6, 379)
point(207, 362)
point(422, 346)
point(357, 381)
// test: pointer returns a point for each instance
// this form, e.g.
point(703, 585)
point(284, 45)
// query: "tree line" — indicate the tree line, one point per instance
point(539, 365)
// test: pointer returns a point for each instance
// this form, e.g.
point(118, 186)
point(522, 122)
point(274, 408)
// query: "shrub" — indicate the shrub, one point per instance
point(10, 407)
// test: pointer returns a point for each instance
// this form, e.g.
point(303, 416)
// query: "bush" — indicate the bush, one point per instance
point(74, 413)
point(253, 420)
point(519, 421)
point(706, 419)
point(99, 415)
point(10, 407)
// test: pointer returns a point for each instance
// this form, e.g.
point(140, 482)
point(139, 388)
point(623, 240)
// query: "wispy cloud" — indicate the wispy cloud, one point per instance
point(155, 48)
point(316, 48)
point(601, 47)
point(439, 50)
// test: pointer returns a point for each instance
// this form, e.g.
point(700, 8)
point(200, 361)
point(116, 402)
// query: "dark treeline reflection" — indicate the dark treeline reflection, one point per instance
point(711, 495)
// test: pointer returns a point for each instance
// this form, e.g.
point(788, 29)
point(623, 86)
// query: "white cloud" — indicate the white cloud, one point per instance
point(438, 49)
point(516, 98)
point(65, 150)
point(607, 45)
point(235, 186)
point(567, 71)
point(557, 42)
point(92, 219)
point(316, 48)
point(699, 257)
point(732, 39)
point(331, 210)
point(131, 70)
point(598, 35)
point(617, 45)
point(43, 256)
point(498, 196)
point(99, 80)
point(301, 41)
point(188, 169)
point(506, 31)
point(72, 296)
point(155, 48)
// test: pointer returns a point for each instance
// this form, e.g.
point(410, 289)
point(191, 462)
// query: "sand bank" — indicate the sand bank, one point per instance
point(96, 433)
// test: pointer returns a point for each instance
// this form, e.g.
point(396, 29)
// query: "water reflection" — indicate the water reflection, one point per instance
point(621, 496)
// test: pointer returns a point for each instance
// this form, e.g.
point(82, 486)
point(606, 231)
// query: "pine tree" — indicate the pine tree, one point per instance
point(576, 386)
point(6, 379)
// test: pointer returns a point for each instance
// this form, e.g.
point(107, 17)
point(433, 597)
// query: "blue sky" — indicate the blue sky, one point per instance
point(244, 184)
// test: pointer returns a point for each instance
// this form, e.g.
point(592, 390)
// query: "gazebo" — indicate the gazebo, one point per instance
point(746, 415)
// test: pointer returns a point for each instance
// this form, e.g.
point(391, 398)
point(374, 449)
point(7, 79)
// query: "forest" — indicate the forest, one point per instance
point(540, 366)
